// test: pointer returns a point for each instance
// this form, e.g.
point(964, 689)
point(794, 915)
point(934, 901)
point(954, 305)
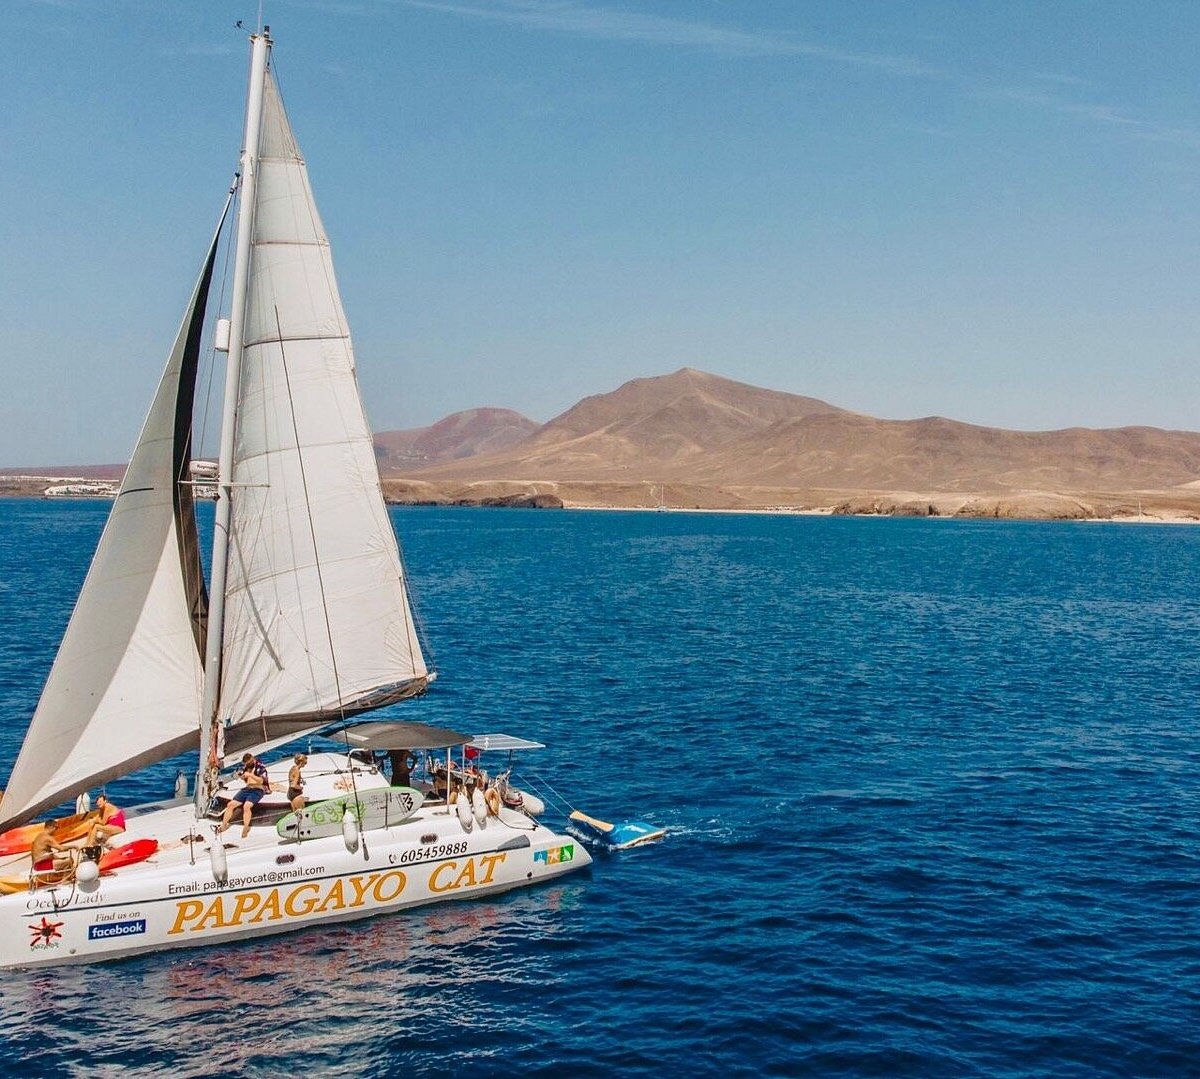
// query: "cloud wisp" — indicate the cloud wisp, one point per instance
point(611, 24)
point(1048, 92)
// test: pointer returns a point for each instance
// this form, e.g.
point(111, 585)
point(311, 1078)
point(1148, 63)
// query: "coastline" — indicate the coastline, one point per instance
point(1176, 505)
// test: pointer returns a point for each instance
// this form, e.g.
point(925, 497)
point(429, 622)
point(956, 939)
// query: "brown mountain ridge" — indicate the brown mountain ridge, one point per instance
point(694, 428)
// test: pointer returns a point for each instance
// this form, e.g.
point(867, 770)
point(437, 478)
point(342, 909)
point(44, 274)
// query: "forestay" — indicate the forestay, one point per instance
point(317, 620)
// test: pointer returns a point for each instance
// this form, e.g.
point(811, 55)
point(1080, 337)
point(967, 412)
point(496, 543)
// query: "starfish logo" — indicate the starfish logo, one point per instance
point(45, 935)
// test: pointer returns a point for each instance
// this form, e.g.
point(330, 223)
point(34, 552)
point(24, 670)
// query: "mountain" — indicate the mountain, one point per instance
point(462, 434)
point(696, 428)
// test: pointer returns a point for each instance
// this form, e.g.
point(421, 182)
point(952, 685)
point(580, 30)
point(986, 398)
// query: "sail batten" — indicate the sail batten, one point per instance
point(124, 690)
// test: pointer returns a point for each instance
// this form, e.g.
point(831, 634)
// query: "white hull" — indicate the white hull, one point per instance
point(272, 885)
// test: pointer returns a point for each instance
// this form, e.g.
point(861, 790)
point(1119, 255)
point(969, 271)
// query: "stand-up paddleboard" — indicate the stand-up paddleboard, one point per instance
point(622, 836)
point(379, 808)
point(137, 851)
point(19, 840)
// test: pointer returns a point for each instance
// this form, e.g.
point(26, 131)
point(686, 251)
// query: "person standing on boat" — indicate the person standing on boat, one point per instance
point(255, 784)
point(111, 822)
point(295, 791)
point(403, 762)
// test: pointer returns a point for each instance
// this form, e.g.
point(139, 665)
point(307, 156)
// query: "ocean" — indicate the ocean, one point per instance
point(930, 789)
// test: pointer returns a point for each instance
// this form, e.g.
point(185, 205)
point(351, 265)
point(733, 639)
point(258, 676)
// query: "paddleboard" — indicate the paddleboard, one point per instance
point(137, 851)
point(613, 836)
point(378, 808)
point(19, 840)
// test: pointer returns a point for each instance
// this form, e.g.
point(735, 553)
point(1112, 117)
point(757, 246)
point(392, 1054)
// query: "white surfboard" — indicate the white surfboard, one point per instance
point(378, 808)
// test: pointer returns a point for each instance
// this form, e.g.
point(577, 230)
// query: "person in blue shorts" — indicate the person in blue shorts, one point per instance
point(255, 784)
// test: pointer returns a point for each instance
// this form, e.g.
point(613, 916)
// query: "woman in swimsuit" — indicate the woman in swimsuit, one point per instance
point(295, 791)
point(111, 822)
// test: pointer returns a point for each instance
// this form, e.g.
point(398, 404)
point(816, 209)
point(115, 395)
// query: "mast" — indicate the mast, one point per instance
point(209, 763)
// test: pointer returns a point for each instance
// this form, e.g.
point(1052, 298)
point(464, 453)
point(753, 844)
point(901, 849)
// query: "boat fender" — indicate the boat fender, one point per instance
point(492, 798)
point(478, 806)
point(181, 785)
point(463, 808)
point(220, 864)
point(350, 828)
point(532, 804)
point(87, 872)
point(83, 803)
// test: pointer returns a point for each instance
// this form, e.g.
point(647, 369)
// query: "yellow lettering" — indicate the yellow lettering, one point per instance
point(245, 903)
point(270, 908)
point(434, 884)
point(467, 876)
point(300, 911)
point(490, 861)
point(336, 898)
point(185, 912)
point(360, 888)
point(395, 876)
point(215, 914)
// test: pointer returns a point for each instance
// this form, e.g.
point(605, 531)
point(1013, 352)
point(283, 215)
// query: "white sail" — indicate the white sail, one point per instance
point(317, 619)
point(124, 690)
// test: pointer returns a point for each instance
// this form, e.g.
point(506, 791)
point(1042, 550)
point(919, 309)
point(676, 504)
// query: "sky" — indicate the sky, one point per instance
point(987, 211)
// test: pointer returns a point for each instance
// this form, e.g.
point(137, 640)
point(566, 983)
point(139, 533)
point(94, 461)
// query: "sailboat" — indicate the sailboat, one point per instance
point(304, 625)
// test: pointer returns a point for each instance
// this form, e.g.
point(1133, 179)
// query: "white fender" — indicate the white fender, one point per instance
point(350, 828)
point(220, 864)
point(87, 871)
point(181, 785)
point(83, 803)
point(478, 806)
point(463, 808)
point(532, 804)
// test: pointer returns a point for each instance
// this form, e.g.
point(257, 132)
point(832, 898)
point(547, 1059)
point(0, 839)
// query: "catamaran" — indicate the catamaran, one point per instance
point(304, 625)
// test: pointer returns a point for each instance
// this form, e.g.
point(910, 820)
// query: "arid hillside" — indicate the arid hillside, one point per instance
point(699, 429)
point(461, 434)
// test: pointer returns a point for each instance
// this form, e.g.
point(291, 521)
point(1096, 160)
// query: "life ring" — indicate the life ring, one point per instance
point(492, 797)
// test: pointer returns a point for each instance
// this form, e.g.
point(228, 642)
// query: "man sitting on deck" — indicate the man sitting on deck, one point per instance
point(49, 855)
point(253, 774)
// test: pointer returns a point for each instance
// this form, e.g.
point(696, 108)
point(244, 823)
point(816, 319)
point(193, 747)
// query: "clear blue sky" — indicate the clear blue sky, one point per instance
point(987, 211)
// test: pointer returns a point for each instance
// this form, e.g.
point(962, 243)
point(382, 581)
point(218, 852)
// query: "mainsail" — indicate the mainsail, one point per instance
point(124, 690)
point(317, 622)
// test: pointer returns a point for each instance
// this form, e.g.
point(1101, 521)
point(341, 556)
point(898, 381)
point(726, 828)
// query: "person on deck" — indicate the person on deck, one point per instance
point(253, 774)
point(111, 822)
point(295, 791)
point(403, 762)
point(48, 853)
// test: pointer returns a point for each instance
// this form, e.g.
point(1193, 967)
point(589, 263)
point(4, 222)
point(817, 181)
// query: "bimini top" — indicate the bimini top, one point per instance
point(502, 742)
point(388, 734)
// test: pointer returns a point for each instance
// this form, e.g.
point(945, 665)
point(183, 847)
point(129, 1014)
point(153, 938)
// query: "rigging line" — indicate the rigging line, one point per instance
point(415, 622)
point(337, 685)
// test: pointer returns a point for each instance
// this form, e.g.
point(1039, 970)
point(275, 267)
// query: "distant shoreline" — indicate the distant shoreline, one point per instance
point(1180, 505)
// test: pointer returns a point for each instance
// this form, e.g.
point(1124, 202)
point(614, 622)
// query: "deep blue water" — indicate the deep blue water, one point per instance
point(931, 789)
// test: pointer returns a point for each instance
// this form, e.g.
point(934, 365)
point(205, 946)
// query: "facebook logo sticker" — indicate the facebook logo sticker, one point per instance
point(117, 929)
